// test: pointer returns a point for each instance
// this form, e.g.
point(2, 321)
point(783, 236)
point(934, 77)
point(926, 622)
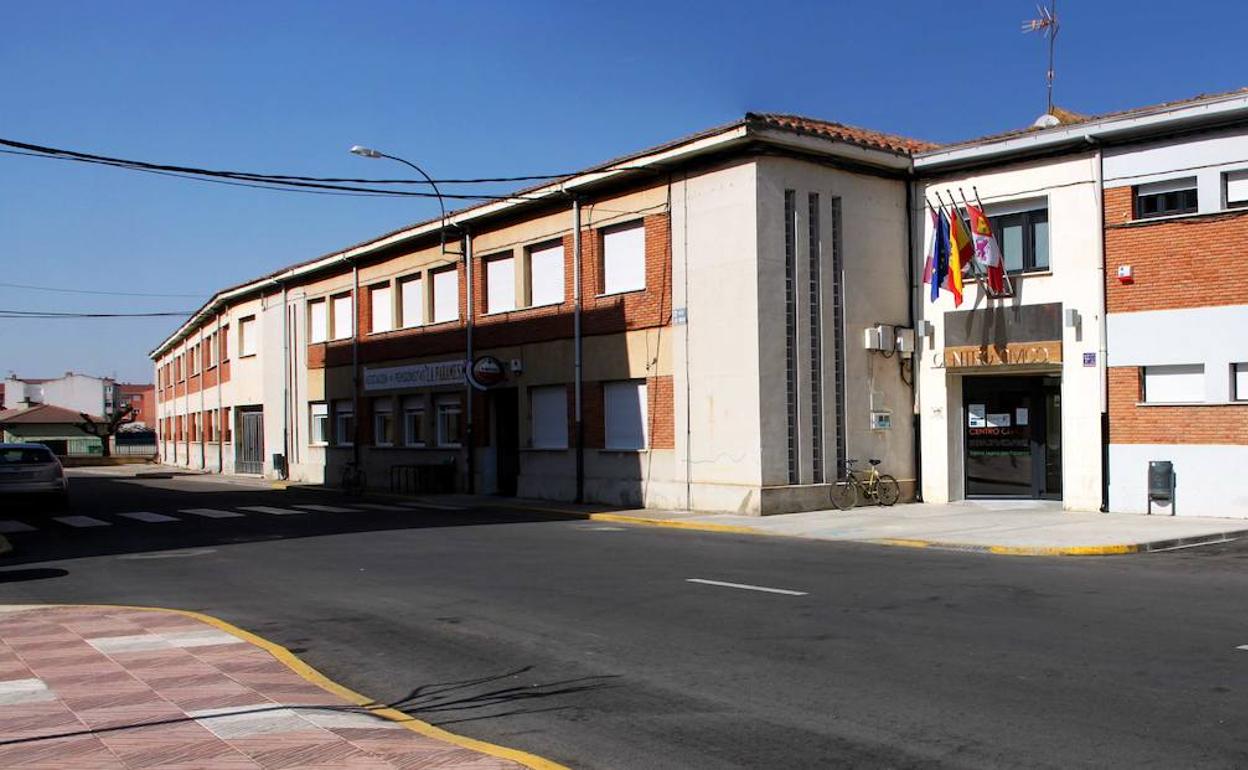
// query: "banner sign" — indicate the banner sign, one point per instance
point(414, 376)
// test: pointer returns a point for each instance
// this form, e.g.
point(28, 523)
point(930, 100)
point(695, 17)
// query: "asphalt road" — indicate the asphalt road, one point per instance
point(587, 644)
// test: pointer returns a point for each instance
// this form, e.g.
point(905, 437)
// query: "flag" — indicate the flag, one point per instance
point(940, 257)
point(987, 252)
point(930, 250)
point(959, 253)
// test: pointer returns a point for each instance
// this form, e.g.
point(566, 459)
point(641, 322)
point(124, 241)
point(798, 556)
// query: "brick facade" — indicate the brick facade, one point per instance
point(1131, 423)
point(1181, 262)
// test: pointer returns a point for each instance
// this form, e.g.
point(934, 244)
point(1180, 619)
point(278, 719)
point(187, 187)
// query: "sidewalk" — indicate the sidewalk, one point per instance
point(116, 687)
point(1013, 528)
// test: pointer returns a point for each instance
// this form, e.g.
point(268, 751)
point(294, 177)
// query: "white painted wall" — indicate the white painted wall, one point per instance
point(1214, 336)
point(1207, 158)
point(1208, 478)
point(1074, 279)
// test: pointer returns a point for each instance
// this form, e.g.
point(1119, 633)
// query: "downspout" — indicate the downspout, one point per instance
point(203, 378)
point(577, 373)
point(1103, 327)
point(286, 385)
point(469, 433)
point(220, 420)
point(916, 423)
point(355, 364)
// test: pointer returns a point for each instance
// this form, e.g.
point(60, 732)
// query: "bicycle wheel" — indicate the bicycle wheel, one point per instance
point(887, 490)
point(844, 495)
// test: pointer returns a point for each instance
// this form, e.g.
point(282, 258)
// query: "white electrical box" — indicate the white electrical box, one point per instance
point(879, 337)
point(881, 420)
point(905, 340)
point(517, 366)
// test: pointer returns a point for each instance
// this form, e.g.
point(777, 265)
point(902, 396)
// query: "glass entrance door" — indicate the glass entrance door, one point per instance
point(1012, 437)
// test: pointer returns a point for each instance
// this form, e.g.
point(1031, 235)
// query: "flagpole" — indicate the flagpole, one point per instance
point(1005, 274)
point(976, 268)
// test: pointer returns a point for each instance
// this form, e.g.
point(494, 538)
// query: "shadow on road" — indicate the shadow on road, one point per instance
point(22, 575)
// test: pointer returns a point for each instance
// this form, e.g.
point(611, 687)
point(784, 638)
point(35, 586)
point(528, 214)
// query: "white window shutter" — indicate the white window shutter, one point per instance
point(546, 275)
point(382, 310)
point(1176, 384)
point(413, 299)
point(624, 259)
point(343, 323)
point(445, 296)
point(549, 406)
point(624, 407)
point(500, 285)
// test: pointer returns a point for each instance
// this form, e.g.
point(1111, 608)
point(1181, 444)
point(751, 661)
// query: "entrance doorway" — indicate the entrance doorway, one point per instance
point(249, 451)
point(506, 408)
point(1013, 437)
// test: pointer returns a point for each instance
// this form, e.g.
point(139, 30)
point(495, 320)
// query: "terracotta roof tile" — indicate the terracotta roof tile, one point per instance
point(863, 137)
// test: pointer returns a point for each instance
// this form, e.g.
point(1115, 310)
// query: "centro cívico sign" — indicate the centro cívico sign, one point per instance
point(1010, 354)
point(430, 375)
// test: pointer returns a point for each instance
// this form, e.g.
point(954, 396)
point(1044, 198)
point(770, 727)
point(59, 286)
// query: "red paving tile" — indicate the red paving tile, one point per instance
point(131, 708)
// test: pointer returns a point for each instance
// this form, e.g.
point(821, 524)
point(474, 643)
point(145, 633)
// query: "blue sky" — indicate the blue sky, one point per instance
point(471, 89)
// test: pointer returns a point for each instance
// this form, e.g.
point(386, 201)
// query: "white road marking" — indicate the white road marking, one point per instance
point(746, 587)
point(434, 506)
point(212, 513)
point(149, 517)
point(379, 507)
point(327, 508)
point(82, 521)
point(268, 509)
point(8, 525)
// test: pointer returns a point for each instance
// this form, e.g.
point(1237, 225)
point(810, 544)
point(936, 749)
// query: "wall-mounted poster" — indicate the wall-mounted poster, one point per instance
point(1020, 415)
point(999, 420)
point(975, 416)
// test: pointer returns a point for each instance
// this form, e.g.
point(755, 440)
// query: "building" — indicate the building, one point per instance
point(679, 328)
point(143, 400)
point(1118, 345)
point(53, 426)
point(76, 392)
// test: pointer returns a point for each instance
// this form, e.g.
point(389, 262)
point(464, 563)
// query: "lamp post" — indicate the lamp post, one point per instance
point(368, 152)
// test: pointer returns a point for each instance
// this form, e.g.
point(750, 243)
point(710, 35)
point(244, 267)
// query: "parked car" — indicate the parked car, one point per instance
point(32, 469)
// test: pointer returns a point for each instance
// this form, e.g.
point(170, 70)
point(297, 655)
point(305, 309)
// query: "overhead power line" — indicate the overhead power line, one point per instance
point(95, 291)
point(42, 314)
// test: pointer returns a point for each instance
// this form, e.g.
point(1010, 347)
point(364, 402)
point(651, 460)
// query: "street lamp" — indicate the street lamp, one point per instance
point(368, 152)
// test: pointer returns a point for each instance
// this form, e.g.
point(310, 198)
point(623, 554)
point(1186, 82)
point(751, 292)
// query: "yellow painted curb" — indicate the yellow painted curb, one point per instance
point(700, 526)
point(320, 680)
point(1074, 550)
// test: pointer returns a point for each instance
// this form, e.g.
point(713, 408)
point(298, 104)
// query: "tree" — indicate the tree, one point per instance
point(108, 428)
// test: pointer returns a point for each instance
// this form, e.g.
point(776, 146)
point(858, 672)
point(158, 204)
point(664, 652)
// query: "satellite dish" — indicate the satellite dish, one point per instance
point(1047, 120)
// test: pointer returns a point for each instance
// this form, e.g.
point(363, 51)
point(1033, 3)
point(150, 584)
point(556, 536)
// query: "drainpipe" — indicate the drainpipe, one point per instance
point(1102, 328)
point(286, 385)
point(220, 421)
point(203, 378)
point(578, 424)
point(355, 363)
point(469, 433)
point(915, 414)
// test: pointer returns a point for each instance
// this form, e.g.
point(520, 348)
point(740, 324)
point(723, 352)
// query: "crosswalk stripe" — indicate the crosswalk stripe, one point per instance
point(434, 506)
point(8, 525)
point(82, 521)
point(268, 509)
point(212, 513)
point(326, 508)
point(149, 517)
point(379, 507)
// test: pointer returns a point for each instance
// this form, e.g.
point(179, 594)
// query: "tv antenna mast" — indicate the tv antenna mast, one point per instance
point(1048, 25)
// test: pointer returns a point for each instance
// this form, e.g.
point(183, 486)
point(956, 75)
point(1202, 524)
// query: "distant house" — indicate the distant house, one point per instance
point(53, 426)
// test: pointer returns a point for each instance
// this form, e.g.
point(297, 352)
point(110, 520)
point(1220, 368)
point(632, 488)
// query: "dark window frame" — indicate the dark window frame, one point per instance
point(1165, 204)
point(1028, 221)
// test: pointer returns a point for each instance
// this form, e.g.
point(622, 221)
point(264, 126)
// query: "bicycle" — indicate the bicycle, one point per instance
point(353, 481)
point(880, 487)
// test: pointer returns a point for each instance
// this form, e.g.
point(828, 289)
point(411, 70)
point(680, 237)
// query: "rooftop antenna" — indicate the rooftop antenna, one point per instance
point(1048, 25)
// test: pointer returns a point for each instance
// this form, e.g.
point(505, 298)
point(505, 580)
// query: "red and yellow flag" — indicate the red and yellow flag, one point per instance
point(960, 252)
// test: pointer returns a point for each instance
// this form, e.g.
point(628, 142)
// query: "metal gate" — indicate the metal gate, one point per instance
point(249, 447)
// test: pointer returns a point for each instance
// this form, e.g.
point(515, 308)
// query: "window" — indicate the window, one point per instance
point(1236, 183)
point(445, 295)
point(1024, 239)
point(210, 420)
point(546, 274)
point(1239, 382)
point(448, 421)
point(412, 300)
point(193, 355)
point(382, 311)
point(414, 420)
point(225, 344)
point(624, 258)
point(624, 408)
point(500, 284)
point(344, 423)
point(1164, 199)
point(318, 422)
point(1175, 384)
point(548, 417)
point(212, 350)
point(247, 336)
point(383, 421)
point(318, 321)
point(341, 316)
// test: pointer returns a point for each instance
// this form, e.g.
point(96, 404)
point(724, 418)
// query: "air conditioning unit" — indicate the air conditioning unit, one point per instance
point(880, 337)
